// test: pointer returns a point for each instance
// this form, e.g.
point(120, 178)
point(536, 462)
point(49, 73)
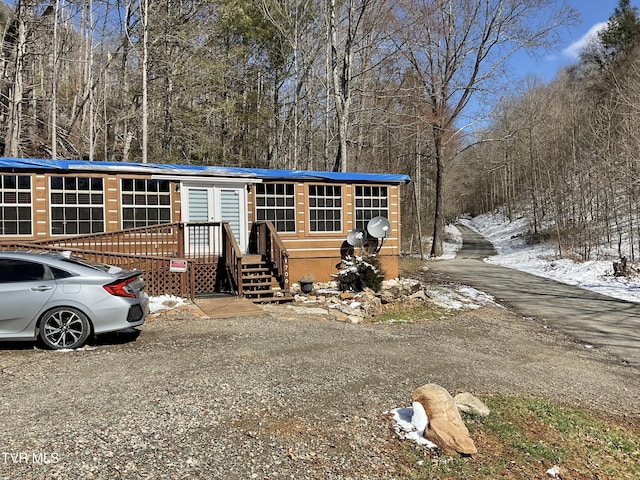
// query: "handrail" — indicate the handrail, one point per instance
point(274, 235)
point(232, 256)
point(153, 248)
point(269, 244)
point(165, 239)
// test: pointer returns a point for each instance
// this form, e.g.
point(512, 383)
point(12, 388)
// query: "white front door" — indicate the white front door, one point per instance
point(229, 201)
point(199, 208)
point(215, 203)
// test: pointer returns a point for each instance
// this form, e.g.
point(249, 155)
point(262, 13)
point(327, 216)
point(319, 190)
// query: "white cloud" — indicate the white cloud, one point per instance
point(573, 50)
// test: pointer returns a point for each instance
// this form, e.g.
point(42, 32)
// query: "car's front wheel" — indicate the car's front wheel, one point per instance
point(64, 327)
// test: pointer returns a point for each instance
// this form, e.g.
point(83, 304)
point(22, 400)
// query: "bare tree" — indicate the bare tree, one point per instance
point(54, 84)
point(295, 22)
point(344, 28)
point(18, 33)
point(143, 5)
point(458, 49)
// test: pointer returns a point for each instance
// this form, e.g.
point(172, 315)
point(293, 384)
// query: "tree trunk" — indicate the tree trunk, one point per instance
point(54, 85)
point(14, 117)
point(145, 67)
point(438, 218)
point(340, 71)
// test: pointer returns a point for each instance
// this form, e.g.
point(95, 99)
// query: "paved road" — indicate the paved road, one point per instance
point(591, 318)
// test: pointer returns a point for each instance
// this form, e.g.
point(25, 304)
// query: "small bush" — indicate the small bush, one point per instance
point(359, 272)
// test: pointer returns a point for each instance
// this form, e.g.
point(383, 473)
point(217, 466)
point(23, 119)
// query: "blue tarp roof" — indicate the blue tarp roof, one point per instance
point(201, 170)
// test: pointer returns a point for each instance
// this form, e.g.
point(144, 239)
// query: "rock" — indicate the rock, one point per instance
point(388, 296)
point(308, 310)
point(468, 403)
point(446, 428)
point(420, 295)
point(413, 287)
point(349, 310)
point(392, 282)
point(338, 315)
point(373, 307)
point(553, 472)
point(401, 292)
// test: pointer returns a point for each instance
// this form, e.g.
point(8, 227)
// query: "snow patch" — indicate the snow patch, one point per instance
point(508, 238)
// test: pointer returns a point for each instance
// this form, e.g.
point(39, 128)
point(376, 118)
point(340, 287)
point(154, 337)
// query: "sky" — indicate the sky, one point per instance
point(593, 16)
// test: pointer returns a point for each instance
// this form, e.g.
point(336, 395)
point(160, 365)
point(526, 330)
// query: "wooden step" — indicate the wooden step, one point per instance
point(257, 278)
point(252, 259)
point(258, 283)
point(251, 286)
point(281, 297)
point(252, 271)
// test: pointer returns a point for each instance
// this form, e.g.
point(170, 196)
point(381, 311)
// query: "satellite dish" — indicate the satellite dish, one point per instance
point(379, 227)
point(357, 238)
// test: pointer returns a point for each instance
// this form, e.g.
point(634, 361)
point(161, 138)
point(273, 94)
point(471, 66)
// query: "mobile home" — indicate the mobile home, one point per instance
point(127, 209)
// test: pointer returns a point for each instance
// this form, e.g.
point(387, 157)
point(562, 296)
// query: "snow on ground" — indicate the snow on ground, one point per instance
point(541, 259)
point(165, 302)
point(463, 297)
point(411, 423)
point(513, 252)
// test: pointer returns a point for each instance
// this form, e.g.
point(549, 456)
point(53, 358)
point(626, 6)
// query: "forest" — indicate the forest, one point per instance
point(567, 154)
point(420, 87)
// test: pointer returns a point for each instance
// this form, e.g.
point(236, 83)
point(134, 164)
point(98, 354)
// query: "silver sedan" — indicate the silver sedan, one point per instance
point(62, 300)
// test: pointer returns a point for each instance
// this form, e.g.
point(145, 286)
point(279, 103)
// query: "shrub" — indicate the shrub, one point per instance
point(359, 272)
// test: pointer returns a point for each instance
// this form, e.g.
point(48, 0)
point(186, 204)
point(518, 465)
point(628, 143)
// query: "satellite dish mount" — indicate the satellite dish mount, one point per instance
point(379, 227)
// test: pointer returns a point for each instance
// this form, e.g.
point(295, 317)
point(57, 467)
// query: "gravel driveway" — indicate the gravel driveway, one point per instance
point(273, 396)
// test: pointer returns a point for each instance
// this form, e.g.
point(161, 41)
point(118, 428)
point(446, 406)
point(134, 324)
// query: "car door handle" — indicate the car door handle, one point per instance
point(41, 288)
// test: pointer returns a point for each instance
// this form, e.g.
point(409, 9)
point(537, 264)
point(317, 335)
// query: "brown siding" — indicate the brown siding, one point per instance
point(40, 199)
point(112, 202)
point(316, 255)
point(112, 209)
point(311, 254)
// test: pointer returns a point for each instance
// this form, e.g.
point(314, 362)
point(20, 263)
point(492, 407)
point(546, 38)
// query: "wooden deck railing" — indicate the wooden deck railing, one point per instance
point(232, 258)
point(158, 277)
point(210, 249)
point(266, 241)
point(166, 240)
point(202, 241)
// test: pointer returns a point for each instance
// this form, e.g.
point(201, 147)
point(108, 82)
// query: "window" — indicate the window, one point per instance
point(77, 205)
point(59, 274)
point(145, 202)
point(277, 202)
point(20, 271)
point(325, 208)
point(371, 201)
point(15, 205)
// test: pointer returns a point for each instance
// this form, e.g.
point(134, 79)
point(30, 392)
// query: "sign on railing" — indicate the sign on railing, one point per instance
point(178, 266)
